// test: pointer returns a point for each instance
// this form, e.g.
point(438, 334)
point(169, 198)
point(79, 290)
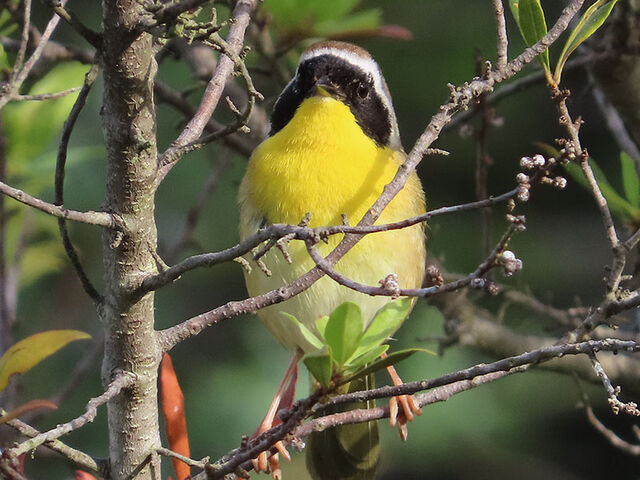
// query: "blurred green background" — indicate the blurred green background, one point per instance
point(525, 425)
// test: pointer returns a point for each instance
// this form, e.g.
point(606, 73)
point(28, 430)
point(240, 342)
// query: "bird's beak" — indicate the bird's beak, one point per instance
point(325, 88)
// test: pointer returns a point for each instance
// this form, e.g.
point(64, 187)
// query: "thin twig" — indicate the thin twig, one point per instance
point(238, 142)
point(189, 461)
point(100, 219)
point(120, 382)
point(501, 33)
point(528, 358)
point(616, 405)
point(168, 13)
point(24, 40)
point(610, 435)
point(47, 96)
point(195, 211)
point(460, 99)
point(481, 372)
point(78, 457)
point(61, 161)
point(213, 92)
point(481, 270)
point(94, 38)
point(35, 56)
point(520, 84)
point(616, 127)
point(277, 231)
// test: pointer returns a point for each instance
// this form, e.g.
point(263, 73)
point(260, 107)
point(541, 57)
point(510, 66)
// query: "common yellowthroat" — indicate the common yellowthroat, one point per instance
point(333, 146)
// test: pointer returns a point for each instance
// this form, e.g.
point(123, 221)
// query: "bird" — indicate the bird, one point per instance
point(332, 147)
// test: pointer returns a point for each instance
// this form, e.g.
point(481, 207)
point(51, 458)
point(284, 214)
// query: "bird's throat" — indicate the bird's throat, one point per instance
point(320, 162)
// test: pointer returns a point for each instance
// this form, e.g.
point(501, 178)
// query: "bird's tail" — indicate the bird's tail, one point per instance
point(346, 452)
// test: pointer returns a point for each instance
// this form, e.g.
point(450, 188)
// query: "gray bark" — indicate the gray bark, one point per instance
point(129, 129)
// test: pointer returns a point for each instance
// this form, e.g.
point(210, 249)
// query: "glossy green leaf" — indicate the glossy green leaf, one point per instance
point(368, 356)
point(591, 20)
point(343, 331)
point(618, 205)
point(308, 335)
point(385, 323)
point(320, 367)
point(27, 353)
point(530, 19)
point(630, 180)
point(391, 359)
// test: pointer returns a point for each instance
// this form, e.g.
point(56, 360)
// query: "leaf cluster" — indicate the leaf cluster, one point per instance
point(529, 16)
point(345, 350)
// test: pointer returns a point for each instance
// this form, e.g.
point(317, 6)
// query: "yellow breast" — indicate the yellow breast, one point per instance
point(322, 162)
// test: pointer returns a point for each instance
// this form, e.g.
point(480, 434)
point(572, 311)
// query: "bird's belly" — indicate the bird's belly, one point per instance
point(371, 260)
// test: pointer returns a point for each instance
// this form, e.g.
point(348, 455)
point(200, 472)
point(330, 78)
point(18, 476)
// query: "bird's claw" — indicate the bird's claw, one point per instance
point(403, 409)
point(265, 463)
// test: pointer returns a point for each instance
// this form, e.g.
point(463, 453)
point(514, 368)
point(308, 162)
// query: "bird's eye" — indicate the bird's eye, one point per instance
point(363, 90)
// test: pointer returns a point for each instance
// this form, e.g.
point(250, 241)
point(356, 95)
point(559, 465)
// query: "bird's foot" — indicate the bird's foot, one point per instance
point(265, 463)
point(403, 409)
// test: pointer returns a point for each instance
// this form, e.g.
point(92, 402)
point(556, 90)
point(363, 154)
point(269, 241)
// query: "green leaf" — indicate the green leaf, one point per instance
point(4, 60)
point(391, 359)
point(530, 19)
point(41, 259)
point(368, 356)
point(27, 353)
point(386, 322)
point(344, 330)
point(592, 19)
point(7, 26)
point(321, 324)
point(320, 366)
point(618, 205)
point(46, 118)
point(630, 180)
point(308, 335)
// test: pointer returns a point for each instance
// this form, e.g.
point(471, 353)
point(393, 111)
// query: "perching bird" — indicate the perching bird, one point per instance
point(333, 146)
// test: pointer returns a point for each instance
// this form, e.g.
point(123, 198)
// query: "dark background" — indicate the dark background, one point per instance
point(525, 425)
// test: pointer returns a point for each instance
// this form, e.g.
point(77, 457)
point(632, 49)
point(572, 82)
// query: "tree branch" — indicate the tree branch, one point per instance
point(119, 383)
point(61, 161)
point(94, 38)
point(501, 33)
point(460, 99)
point(213, 92)
point(457, 382)
point(78, 457)
point(278, 231)
point(100, 219)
